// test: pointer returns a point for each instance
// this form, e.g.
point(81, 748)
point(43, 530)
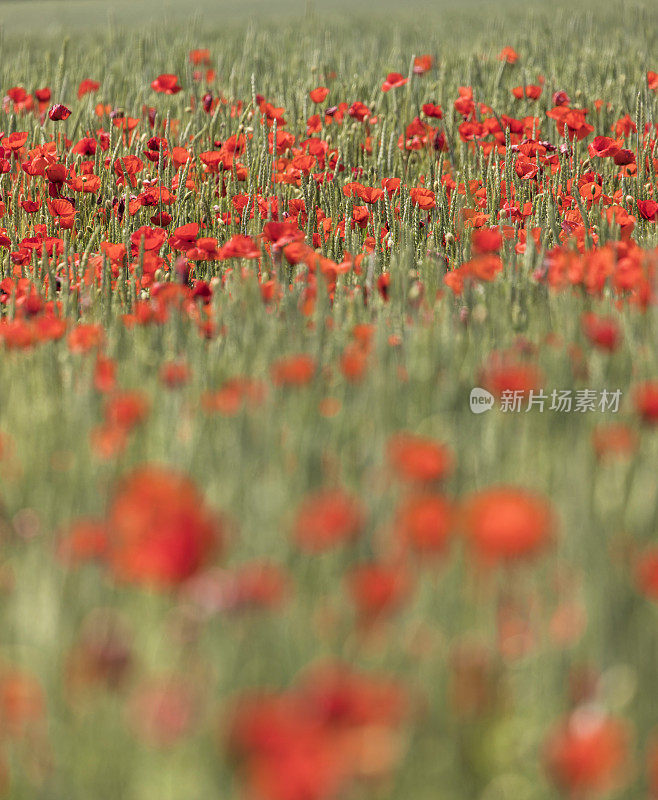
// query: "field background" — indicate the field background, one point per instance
point(259, 466)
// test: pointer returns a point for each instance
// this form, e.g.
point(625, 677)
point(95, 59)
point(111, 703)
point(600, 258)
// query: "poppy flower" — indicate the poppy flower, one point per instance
point(127, 409)
point(160, 529)
point(166, 84)
point(506, 373)
point(623, 157)
point(648, 209)
point(174, 374)
point(560, 98)
point(326, 519)
point(507, 523)
point(293, 370)
point(603, 147)
point(646, 402)
point(425, 199)
point(509, 55)
point(377, 589)
point(652, 80)
point(87, 86)
point(647, 573)
point(414, 458)
point(423, 64)
point(531, 92)
point(15, 140)
point(85, 540)
point(603, 332)
point(432, 110)
point(319, 95)
point(487, 240)
point(199, 56)
point(614, 440)
point(393, 81)
point(358, 111)
point(59, 112)
point(104, 374)
point(22, 701)
point(424, 522)
point(588, 752)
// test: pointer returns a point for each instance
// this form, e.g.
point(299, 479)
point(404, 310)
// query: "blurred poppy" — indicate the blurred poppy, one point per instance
point(414, 458)
point(424, 522)
point(588, 753)
point(160, 529)
point(646, 402)
point(422, 64)
point(326, 519)
point(509, 55)
point(393, 81)
point(603, 332)
point(166, 84)
point(507, 523)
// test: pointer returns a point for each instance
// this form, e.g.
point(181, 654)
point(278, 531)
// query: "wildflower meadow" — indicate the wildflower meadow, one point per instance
point(328, 401)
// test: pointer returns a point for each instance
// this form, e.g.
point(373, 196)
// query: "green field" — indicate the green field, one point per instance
point(255, 544)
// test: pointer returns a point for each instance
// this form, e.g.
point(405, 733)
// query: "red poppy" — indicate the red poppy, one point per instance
point(425, 199)
point(603, 147)
point(166, 84)
point(505, 373)
point(126, 410)
point(614, 440)
point(22, 701)
point(648, 209)
point(377, 589)
point(200, 56)
point(393, 81)
point(414, 458)
point(59, 112)
point(487, 240)
point(104, 374)
point(160, 529)
point(319, 95)
point(647, 572)
point(84, 337)
point(509, 55)
point(560, 98)
point(507, 523)
point(15, 140)
point(603, 332)
point(87, 86)
point(531, 92)
point(424, 522)
point(652, 80)
point(294, 370)
point(646, 402)
point(328, 518)
point(174, 374)
point(85, 540)
point(358, 111)
point(588, 752)
point(422, 64)
point(432, 110)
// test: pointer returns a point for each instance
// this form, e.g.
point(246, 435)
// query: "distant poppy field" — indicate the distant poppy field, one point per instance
point(329, 405)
